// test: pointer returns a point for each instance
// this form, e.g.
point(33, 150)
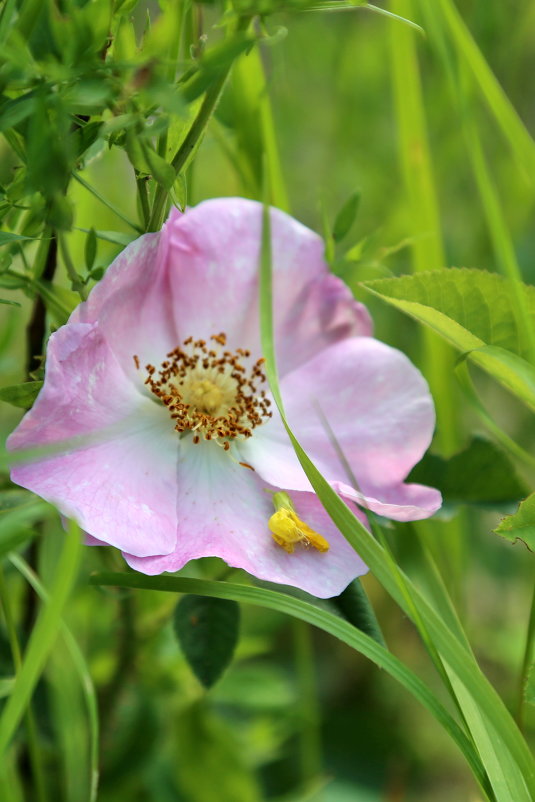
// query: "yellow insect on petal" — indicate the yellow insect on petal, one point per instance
point(288, 529)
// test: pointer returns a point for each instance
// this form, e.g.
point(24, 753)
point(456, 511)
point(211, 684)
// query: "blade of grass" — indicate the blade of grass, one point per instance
point(34, 750)
point(516, 758)
point(333, 624)
point(506, 116)
point(42, 638)
point(427, 248)
point(426, 239)
point(80, 667)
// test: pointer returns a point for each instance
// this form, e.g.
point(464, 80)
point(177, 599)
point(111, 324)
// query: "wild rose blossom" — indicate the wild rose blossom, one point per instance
point(159, 377)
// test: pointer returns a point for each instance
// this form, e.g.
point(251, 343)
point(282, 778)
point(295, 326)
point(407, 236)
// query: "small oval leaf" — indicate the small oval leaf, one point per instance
point(346, 217)
point(20, 395)
point(90, 249)
point(207, 630)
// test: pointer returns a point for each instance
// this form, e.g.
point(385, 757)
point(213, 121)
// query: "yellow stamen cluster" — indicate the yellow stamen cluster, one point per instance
point(209, 391)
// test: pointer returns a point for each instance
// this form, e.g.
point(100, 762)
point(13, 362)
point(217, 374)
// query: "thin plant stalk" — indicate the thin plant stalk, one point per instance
point(31, 728)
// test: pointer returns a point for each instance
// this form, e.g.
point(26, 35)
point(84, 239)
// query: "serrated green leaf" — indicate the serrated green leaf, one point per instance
point(207, 630)
point(20, 395)
point(475, 311)
point(479, 474)
point(346, 217)
point(469, 308)
point(520, 525)
point(511, 370)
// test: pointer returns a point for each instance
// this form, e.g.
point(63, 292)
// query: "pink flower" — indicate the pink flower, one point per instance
point(159, 375)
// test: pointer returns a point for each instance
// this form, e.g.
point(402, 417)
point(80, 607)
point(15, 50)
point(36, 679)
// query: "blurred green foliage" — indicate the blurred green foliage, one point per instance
point(97, 100)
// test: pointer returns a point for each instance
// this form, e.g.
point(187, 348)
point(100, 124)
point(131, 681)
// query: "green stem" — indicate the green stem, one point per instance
point(141, 184)
point(31, 728)
point(188, 146)
point(106, 203)
point(526, 662)
point(76, 281)
point(198, 127)
point(308, 705)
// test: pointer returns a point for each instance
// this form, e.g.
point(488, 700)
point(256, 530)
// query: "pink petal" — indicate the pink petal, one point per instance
point(223, 511)
point(133, 304)
point(379, 408)
point(117, 478)
point(213, 263)
point(400, 502)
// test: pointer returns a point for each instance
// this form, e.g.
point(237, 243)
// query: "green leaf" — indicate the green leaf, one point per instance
point(147, 162)
point(355, 606)
point(6, 237)
point(16, 110)
point(20, 395)
point(6, 686)
point(207, 630)
point(117, 237)
point(475, 311)
point(9, 303)
point(529, 690)
point(90, 248)
point(346, 217)
point(469, 308)
point(520, 525)
point(512, 371)
point(479, 474)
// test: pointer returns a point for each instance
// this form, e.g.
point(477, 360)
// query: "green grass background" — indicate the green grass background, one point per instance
point(347, 115)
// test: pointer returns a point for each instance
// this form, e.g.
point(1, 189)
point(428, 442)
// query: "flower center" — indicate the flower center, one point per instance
point(206, 396)
point(209, 391)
